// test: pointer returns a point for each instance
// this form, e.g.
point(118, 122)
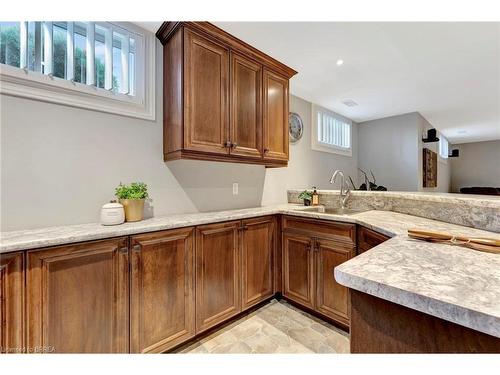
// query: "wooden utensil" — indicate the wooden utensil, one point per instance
point(490, 245)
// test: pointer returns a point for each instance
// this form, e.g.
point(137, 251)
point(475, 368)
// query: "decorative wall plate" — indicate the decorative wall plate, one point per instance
point(296, 127)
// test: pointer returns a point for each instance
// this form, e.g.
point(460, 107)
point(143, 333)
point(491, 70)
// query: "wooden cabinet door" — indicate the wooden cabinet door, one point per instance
point(298, 269)
point(367, 239)
point(206, 94)
point(162, 290)
point(12, 303)
point(246, 107)
point(275, 116)
point(332, 298)
point(217, 274)
point(257, 243)
point(77, 298)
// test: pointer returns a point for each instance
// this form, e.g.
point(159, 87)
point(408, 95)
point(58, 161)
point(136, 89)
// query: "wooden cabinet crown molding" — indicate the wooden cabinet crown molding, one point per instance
point(168, 29)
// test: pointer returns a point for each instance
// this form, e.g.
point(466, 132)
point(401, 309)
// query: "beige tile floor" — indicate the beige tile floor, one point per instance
point(277, 327)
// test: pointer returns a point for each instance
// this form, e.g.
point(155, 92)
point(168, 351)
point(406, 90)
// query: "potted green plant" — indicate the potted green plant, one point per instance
point(306, 196)
point(132, 198)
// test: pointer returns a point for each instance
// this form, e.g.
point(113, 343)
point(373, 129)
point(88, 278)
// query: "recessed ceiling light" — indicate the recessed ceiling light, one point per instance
point(340, 62)
point(350, 103)
point(462, 132)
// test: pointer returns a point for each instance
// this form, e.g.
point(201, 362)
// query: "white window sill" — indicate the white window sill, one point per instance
point(37, 86)
point(316, 146)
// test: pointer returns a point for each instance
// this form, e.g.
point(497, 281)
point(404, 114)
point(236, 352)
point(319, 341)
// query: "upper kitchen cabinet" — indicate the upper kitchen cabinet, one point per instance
point(206, 111)
point(275, 116)
point(223, 99)
point(246, 108)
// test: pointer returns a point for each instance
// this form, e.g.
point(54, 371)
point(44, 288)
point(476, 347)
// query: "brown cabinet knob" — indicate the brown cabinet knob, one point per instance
point(234, 145)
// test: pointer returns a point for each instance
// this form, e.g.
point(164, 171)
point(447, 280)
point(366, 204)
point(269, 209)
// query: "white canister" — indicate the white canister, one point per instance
point(112, 213)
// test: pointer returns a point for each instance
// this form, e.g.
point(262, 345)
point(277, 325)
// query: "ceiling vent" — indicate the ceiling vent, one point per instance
point(350, 103)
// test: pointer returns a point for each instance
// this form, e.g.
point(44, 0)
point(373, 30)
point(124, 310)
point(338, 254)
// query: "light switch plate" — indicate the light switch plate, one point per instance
point(235, 188)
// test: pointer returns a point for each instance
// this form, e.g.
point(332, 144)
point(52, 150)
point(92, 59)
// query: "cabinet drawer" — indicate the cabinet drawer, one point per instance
point(343, 232)
point(368, 238)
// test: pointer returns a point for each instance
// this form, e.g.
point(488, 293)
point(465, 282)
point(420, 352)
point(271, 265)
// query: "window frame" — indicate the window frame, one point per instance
point(316, 145)
point(34, 85)
point(443, 159)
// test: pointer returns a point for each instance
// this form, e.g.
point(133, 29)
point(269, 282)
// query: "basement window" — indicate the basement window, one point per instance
point(331, 132)
point(443, 148)
point(103, 66)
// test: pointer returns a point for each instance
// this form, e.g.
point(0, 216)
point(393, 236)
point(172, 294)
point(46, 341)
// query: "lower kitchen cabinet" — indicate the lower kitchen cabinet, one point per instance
point(298, 269)
point(258, 241)
point(218, 294)
point(12, 303)
point(162, 304)
point(367, 238)
point(311, 250)
point(151, 292)
point(332, 299)
point(77, 298)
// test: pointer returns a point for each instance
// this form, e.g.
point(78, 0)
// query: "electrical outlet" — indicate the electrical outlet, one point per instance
point(235, 188)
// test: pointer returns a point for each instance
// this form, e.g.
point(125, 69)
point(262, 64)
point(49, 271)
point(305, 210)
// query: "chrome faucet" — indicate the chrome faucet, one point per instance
point(344, 188)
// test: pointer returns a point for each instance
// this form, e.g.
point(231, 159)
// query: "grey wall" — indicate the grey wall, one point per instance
point(60, 164)
point(389, 148)
point(306, 167)
point(392, 148)
point(443, 165)
point(478, 165)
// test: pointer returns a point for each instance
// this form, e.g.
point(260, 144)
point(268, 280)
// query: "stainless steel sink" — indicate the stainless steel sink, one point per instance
point(332, 211)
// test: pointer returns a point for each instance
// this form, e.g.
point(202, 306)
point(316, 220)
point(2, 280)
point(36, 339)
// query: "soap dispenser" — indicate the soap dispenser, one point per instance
point(315, 197)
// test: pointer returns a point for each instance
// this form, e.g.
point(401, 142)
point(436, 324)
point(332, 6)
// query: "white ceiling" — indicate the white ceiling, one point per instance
point(449, 72)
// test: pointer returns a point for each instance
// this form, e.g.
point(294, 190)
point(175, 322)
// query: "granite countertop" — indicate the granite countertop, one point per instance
point(450, 282)
point(471, 199)
point(51, 236)
point(476, 211)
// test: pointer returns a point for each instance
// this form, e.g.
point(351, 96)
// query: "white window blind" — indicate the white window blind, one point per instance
point(443, 147)
point(331, 132)
point(97, 58)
